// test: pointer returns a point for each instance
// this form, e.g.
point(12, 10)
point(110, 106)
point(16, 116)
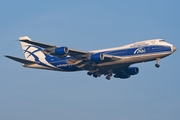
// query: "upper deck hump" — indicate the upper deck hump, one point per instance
point(136, 44)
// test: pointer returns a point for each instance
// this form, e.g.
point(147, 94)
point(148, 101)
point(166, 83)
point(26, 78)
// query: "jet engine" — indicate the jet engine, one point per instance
point(97, 57)
point(122, 76)
point(132, 70)
point(126, 74)
point(61, 51)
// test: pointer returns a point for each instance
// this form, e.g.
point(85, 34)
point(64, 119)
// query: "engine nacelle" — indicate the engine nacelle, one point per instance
point(132, 70)
point(97, 57)
point(122, 76)
point(61, 51)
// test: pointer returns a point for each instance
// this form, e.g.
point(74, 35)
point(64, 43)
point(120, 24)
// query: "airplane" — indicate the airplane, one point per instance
point(110, 62)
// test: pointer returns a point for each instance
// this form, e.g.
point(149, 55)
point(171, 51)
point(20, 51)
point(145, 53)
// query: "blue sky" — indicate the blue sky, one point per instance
point(88, 25)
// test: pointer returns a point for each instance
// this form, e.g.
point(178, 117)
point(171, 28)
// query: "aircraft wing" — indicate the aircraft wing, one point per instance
point(72, 52)
point(21, 60)
point(78, 54)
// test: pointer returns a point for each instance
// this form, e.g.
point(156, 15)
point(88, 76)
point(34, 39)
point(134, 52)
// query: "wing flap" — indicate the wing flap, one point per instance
point(112, 57)
point(77, 53)
point(20, 60)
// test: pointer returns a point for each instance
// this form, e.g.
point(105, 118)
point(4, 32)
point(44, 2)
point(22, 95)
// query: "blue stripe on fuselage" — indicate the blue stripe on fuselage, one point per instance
point(139, 50)
point(62, 62)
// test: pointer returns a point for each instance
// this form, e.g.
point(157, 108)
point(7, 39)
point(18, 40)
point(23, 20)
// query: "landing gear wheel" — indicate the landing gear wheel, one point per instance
point(157, 65)
point(99, 75)
point(108, 77)
point(157, 62)
point(89, 73)
point(95, 75)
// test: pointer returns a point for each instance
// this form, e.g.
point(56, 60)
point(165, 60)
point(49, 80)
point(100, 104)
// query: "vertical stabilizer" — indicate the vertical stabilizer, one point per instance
point(31, 52)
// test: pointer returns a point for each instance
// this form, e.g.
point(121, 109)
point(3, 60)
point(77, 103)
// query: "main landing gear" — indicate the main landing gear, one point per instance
point(157, 62)
point(96, 73)
point(89, 73)
point(108, 77)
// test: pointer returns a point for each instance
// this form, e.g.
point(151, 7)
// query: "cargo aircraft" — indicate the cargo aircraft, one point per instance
point(110, 62)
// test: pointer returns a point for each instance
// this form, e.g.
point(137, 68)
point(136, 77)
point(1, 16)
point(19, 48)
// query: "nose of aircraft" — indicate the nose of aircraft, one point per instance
point(173, 48)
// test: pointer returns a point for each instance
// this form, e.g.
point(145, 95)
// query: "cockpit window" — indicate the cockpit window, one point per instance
point(161, 40)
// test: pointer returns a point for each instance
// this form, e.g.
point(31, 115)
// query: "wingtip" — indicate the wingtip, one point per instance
point(5, 55)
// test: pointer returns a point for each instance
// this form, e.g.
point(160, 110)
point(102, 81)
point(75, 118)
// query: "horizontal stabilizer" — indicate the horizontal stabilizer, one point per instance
point(20, 60)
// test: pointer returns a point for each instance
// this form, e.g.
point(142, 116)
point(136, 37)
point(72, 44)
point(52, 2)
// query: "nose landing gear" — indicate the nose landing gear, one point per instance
point(157, 65)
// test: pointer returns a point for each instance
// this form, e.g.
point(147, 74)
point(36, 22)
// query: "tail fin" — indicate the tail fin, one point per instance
point(31, 52)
